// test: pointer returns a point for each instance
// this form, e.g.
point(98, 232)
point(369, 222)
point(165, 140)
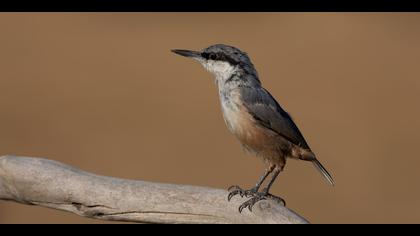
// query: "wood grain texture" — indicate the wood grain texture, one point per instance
point(42, 182)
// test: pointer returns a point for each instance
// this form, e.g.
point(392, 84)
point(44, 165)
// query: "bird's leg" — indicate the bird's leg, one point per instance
point(235, 190)
point(255, 189)
point(263, 195)
point(267, 189)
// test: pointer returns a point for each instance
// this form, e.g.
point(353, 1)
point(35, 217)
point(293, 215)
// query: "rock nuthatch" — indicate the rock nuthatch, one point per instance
point(254, 117)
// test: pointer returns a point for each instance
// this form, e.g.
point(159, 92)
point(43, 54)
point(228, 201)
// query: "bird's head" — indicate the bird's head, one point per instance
point(221, 60)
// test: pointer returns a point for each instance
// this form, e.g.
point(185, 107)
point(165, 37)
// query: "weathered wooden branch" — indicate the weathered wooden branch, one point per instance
point(37, 181)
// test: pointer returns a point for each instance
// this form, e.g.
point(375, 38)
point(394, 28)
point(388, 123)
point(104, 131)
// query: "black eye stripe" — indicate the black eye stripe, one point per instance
point(212, 56)
point(218, 56)
point(205, 55)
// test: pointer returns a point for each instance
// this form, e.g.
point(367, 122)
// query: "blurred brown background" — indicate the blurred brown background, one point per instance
point(103, 92)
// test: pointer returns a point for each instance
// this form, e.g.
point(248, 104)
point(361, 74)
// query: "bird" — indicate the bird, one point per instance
point(255, 118)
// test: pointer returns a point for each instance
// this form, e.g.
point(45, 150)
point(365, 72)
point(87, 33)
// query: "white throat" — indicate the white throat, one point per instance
point(220, 69)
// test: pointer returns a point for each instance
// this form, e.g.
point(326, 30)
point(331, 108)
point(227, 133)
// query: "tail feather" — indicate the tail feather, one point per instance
point(323, 171)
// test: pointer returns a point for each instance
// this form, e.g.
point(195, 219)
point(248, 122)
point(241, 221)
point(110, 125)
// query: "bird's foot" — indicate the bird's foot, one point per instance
point(258, 197)
point(255, 197)
point(235, 190)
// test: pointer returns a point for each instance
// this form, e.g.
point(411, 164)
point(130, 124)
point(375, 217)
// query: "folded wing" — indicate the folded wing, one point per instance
point(265, 109)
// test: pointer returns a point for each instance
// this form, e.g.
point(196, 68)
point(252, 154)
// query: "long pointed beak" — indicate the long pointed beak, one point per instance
point(187, 53)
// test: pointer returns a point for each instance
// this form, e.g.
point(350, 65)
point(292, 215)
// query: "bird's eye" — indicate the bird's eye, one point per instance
point(212, 56)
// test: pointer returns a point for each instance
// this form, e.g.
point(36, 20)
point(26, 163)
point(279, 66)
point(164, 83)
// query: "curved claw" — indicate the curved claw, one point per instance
point(232, 194)
point(277, 199)
point(241, 207)
point(235, 190)
point(236, 187)
point(250, 203)
point(250, 207)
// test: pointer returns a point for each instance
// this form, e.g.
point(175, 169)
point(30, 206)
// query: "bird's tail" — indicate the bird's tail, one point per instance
point(323, 171)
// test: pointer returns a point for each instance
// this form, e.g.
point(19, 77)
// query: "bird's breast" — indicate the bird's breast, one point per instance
point(232, 109)
point(241, 123)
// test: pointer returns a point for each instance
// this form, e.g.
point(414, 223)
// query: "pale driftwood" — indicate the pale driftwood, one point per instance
point(47, 183)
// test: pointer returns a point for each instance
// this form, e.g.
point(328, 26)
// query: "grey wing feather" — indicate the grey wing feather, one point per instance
point(265, 109)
